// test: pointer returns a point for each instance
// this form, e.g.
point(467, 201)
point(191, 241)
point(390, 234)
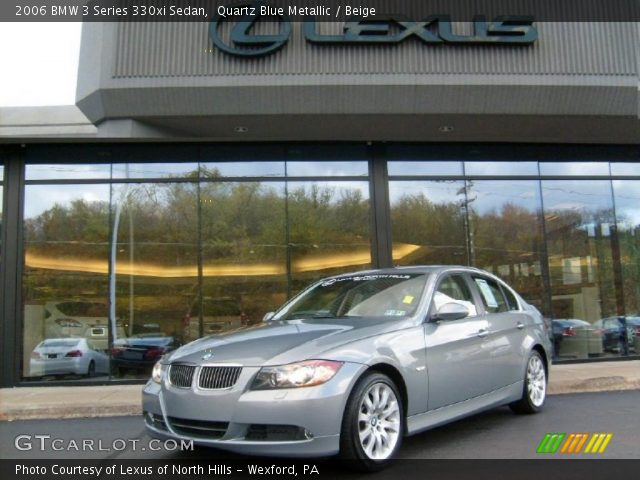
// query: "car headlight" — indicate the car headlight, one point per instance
point(156, 373)
point(294, 375)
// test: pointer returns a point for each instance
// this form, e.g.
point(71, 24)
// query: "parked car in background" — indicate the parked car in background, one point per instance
point(576, 338)
point(140, 352)
point(65, 356)
point(353, 364)
point(619, 333)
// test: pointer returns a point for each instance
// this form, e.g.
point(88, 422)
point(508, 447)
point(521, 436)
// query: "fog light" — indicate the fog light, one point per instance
point(156, 373)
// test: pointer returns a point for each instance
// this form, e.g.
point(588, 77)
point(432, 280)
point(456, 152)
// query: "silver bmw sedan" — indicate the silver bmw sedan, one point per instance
point(354, 363)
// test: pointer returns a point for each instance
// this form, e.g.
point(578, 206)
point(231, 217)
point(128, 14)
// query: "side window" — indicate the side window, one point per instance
point(454, 289)
point(492, 298)
point(511, 300)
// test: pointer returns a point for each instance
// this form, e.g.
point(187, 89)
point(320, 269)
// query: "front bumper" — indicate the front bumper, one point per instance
point(228, 419)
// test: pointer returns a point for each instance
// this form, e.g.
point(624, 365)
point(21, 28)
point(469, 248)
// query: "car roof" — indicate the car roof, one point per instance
point(416, 269)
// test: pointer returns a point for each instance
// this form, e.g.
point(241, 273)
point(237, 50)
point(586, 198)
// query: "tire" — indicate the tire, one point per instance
point(370, 438)
point(91, 370)
point(534, 390)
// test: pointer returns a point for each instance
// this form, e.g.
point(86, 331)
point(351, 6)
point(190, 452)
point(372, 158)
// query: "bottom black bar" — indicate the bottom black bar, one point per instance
point(569, 469)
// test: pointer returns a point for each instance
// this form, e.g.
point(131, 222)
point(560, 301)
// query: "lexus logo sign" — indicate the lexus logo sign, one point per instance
point(242, 42)
point(240, 39)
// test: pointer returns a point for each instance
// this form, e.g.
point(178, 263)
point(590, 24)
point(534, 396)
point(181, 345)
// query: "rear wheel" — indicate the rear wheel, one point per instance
point(373, 423)
point(534, 391)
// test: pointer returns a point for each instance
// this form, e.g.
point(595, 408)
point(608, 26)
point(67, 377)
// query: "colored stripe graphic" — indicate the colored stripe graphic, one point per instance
point(573, 443)
point(598, 443)
point(551, 442)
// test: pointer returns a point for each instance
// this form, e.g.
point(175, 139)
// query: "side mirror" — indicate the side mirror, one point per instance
point(268, 316)
point(451, 311)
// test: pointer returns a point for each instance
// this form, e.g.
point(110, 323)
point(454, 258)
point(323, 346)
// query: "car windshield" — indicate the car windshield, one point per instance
point(367, 295)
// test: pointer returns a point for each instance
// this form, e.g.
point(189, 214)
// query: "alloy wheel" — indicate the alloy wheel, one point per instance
point(379, 421)
point(536, 381)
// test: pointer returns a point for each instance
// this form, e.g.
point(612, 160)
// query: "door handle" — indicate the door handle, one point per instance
point(483, 332)
point(520, 325)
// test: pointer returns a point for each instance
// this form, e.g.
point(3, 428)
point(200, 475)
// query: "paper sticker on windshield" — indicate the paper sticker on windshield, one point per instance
point(395, 313)
point(485, 289)
point(408, 299)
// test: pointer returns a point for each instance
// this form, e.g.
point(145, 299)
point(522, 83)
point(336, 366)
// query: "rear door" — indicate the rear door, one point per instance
point(457, 360)
point(507, 330)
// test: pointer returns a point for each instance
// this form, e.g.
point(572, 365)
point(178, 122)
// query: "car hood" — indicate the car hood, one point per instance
point(281, 342)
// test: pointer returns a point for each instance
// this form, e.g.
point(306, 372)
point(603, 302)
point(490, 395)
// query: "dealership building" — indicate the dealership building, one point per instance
point(202, 179)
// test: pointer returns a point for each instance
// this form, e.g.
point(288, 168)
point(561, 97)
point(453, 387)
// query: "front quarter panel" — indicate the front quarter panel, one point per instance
point(536, 335)
point(403, 350)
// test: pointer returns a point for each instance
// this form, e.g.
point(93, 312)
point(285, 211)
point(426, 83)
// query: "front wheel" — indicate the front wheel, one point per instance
point(373, 423)
point(534, 391)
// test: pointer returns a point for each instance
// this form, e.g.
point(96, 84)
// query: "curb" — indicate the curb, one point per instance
point(594, 385)
point(83, 411)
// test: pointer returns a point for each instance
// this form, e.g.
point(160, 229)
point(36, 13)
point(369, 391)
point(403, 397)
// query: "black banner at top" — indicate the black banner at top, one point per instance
point(318, 10)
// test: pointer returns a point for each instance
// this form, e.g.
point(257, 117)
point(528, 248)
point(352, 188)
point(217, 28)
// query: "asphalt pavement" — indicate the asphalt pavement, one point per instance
point(494, 434)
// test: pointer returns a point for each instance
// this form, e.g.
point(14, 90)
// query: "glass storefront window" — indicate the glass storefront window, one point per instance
point(209, 239)
point(68, 171)
point(417, 168)
point(324, 161)
point(412, 160)
point(500, 169)
point(241, 161)
point(329, 224)
point(625, 169)
point(155, 260)
point(190, 257)
point(244, 260)
point(574, 169)
point(429, 222)
point(627, 203)
point(327, 169)
point(65, 281)
point(212, 170)
point(580, 233)
point(155, 170)
point(506, 234)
